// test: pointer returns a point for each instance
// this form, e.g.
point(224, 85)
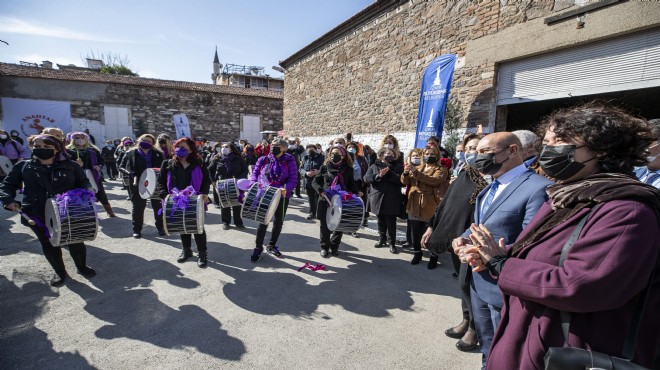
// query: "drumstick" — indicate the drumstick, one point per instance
point(326, 198)
point(27, 218)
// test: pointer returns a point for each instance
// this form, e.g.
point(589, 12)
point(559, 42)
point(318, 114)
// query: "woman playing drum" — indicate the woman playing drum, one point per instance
point(277, 169)
point(184, 170)
point(50, 172)
point(336, 174)
point(227, 163)
point(88, 156)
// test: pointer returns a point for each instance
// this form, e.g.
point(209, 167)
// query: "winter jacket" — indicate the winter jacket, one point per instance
point(424, 184)
point(226, 168)
point(385, 196)
point(286, 177)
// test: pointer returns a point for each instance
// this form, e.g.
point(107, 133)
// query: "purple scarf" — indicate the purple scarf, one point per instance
point(274, 172)
point(93, 162)
point(196, 182)
point(145, 156)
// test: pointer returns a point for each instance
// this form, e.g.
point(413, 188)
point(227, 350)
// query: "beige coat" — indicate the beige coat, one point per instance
point(428, 184)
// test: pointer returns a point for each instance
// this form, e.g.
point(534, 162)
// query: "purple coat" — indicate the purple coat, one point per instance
point(605, 270)
point(287, 174)
point(7, 149)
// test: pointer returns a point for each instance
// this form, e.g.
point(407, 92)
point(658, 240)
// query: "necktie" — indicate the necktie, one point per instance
point(489, 199)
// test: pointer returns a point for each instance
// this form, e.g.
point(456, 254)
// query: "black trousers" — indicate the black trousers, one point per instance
point(200, 241)
point(226, 215)
point(139, 205)
point(101, 196)
point(278, 220)
point(53, 254)
point(417, 229)
point(298, 187)
point(387, 227)
point(329, 240)
point(464, 279)
point(313, 198)
point(111, 169)
point(216, 197)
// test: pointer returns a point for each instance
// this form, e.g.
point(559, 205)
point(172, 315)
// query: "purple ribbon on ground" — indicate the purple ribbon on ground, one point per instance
point(316, 267)
point(75, 197)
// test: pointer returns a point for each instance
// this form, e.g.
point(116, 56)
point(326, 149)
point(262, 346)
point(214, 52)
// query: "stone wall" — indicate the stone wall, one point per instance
point(215, 116)
point(368, 81)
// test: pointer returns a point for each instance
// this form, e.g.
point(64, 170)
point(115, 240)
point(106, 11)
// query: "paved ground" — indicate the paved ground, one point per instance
point(370, 310)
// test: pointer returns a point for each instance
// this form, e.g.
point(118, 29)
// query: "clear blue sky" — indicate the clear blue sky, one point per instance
point(168, 39)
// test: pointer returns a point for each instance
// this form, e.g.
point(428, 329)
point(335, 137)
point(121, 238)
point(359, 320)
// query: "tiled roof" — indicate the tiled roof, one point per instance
point(7, 69)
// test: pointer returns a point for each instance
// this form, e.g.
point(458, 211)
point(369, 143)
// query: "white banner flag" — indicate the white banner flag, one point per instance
point(29, 117)
point(181, 125)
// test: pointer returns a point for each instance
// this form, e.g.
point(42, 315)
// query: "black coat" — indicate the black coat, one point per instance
point(40, 183)
point(310, 163)
point(85, 155)
point(218, 169)
point(385, 197)
point(133, 164)
point(181, 177)
point(108, 154)
point(324, 178)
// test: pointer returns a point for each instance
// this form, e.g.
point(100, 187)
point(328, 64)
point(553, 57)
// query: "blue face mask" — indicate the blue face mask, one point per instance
point(471, 158)
point(460, 156)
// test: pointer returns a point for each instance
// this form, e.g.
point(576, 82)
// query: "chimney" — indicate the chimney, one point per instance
point(47, 64)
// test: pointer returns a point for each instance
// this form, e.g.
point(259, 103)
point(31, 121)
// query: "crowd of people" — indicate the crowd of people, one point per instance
point(539, 228)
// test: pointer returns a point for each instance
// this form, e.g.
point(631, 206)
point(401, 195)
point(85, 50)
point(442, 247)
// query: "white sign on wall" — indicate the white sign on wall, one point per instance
point(181, 125)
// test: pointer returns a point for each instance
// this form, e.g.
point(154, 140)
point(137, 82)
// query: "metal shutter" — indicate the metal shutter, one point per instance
point(623, 63)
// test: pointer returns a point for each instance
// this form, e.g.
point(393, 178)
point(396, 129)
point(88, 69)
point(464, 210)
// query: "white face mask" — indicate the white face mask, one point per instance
point(226, 151)
point(352, 150)
point(218, 149)
point(415, 161)
point(79, 141)
point(3, 137)
point(293, 146)
point(388, 146)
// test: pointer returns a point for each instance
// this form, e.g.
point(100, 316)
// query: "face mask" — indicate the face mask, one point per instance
point(460, 156)
point(226, 151)
point(311, 152)
point(293, 146)
point(471, 158)
point(430, 160)
point(336, 158)
point(388, 158)
point(432, 144)
point(145, 145)
point(388, 146)
point(218, 149)
point(276, 151)
point(485, 163)
point(43, 153)
point(338, 145)
point(352, 150)
point(415, 161)
point(3, 137)
point(79, 141)
point(13, 134)
point(652, 158)
point(558, 161)
point(116, 143)
point(181, 152)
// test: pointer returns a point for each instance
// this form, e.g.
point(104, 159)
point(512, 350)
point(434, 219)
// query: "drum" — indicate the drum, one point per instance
point(227, 193)
point(92, 180)
point(345, 215)
point(148, 182)
point(260, 204)
point(184, 221)
point(75, 223)
point(5, 165)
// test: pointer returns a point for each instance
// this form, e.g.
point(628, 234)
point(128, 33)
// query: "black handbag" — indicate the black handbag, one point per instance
point(570, 358)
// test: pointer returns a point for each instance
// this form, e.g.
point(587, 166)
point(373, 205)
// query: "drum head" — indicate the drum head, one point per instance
point(273, 206)
point(200, 214)
point(53, 222)
point(147, 183)
point(333, 214)
point(5, 164)
point(92, 180)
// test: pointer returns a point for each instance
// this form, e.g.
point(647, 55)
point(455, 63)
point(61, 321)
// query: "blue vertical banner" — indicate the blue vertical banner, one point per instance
point(436, 83)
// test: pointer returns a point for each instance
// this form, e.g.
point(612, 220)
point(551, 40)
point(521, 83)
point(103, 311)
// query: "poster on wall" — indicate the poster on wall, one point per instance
point(436, 83)
point(181, 125)
point(29, 117)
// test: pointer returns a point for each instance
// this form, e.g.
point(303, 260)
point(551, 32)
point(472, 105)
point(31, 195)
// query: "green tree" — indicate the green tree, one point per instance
point(113, 63)
point(453, 122)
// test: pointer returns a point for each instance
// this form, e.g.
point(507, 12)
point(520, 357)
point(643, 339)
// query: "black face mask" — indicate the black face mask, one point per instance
point(430, 160)
point(336, 158)
point(486, 164)
point(558, 161)
point(276, 151)
point(43, 153)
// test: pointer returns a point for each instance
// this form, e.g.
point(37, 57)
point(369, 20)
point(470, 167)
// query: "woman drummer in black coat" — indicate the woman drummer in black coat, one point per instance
point(336, 171)
point(186, 169)
point(227, 163)
point(385, 197)
point(50, 172)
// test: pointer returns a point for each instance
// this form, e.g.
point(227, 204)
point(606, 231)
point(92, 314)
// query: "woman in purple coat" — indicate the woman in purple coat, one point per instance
point(276, 169)
point(590, 150)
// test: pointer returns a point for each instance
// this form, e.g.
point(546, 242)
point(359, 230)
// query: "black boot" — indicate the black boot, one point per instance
point(185, 254)
point(87, 272)
point(202, 259)
point(334, 250)
point(80, 259)
point(433, 261)
point(382, 241)
point(417, 257)
point(393, 249)
point(324, 252)
point(58, 279)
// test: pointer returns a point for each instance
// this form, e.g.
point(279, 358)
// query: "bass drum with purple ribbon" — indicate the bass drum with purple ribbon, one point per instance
point(345, 215)
point(228, 193)
point(92, 180)
point(5, 166)
point(71, 222)
point(261, 203)
point(148, 182)
point(183, 217)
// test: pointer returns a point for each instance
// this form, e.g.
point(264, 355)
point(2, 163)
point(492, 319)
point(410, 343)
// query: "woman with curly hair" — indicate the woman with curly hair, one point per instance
point(185, 169)
point(165, 145)
point(390, 142)
point(89, 157)
point(588, 263)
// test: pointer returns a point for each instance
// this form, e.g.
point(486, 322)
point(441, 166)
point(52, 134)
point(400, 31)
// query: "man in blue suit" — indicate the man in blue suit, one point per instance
point(505, 206)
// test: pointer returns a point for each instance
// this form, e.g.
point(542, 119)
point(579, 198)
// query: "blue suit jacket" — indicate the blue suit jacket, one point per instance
point(506, 217)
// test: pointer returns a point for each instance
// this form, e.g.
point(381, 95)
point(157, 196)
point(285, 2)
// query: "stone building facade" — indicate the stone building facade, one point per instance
point(214, 112)
point(364, 76)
